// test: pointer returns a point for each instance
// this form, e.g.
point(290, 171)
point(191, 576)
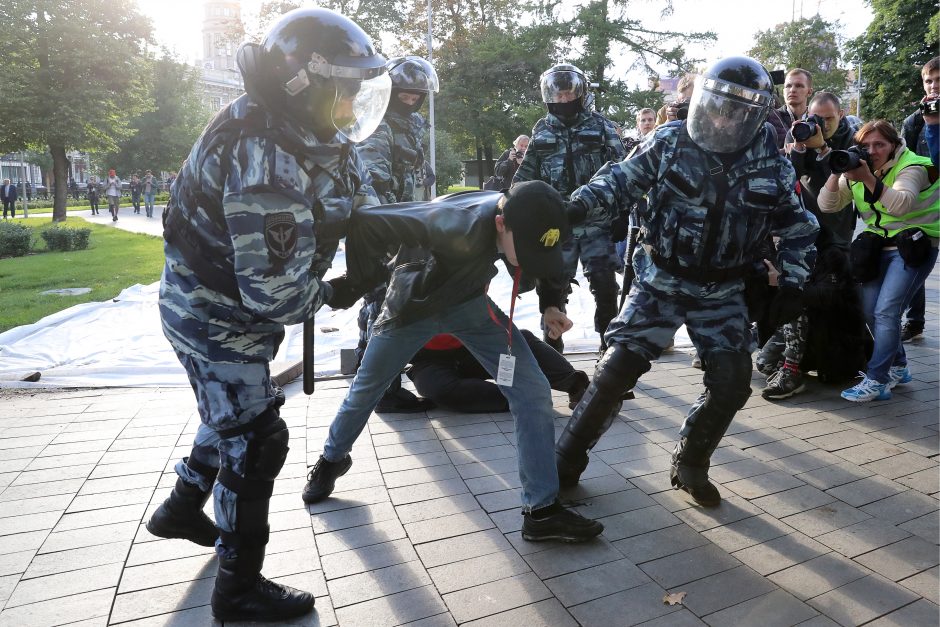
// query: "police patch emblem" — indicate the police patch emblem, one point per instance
point(280, 234)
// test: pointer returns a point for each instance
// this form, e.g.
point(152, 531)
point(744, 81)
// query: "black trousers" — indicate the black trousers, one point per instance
point(455, 380)
point(9, 205)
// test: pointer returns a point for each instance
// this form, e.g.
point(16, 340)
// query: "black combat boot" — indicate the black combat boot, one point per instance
point(575, 384)
point(617, 372)
point(181, 516)
point(727, 387)
point(322, 478)
point(242, 593)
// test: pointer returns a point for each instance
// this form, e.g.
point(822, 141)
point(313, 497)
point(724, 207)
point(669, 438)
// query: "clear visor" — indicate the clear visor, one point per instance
point(563, 86)
point(720, 122)
point(360, 106)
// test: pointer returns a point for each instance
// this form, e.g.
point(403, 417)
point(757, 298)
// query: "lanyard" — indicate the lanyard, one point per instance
point(512, 308)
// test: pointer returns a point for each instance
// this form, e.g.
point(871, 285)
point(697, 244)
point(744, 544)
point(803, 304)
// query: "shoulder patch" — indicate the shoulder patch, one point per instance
point(280, 234)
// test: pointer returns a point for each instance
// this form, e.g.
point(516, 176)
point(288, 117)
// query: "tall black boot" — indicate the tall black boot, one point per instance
point(242, 593)
point(181, 516)
point(617, 372)
point(727, 388)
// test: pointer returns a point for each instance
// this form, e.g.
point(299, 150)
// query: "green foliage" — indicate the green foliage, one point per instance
point(902, 37)
point(810, 43)
point(448, 167)
point(80, 60)
point(62, 238)
point(115, 260)
point(40, 205)
point(16, 239)
point(164, 135)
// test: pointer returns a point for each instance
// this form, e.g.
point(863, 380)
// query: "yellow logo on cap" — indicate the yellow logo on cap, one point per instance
point(550, 237)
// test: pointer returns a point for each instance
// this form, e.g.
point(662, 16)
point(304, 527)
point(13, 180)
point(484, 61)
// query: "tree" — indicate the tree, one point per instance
point(71, 75)
point(809, 43)
point(164, 135)
point(902, 37)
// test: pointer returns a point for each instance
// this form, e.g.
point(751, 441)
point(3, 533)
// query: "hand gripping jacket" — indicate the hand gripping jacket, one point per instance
point(705, 220)
point(251, 227)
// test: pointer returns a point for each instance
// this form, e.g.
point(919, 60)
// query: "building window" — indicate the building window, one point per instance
point(216, 103)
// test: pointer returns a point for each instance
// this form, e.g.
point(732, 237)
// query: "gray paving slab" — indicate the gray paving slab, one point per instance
point(863, 600)
point(774, 609)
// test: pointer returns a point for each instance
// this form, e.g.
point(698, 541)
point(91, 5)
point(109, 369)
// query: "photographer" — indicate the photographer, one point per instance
point(510, 160)
point(921, 133)
point(897, 200)
point(675, 110)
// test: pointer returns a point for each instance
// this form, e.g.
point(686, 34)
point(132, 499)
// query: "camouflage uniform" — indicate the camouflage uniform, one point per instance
point(388, 155)
point(252, 225)
point(702, 230)
point(566, 157)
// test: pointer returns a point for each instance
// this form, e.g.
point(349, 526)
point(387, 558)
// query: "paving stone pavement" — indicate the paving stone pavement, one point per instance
point(830, 514)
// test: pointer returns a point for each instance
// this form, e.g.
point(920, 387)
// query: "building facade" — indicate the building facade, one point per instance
point(221, 80)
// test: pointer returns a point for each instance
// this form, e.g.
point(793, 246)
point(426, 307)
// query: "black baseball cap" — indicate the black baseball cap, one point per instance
point(535, 213)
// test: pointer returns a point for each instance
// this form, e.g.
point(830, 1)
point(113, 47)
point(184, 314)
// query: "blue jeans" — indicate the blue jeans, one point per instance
point(529, 397)
point(883, 300)
point(148, 204)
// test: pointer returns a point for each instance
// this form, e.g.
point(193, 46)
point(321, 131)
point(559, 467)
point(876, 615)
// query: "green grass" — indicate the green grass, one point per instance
point(114, 260)
point(459, 188)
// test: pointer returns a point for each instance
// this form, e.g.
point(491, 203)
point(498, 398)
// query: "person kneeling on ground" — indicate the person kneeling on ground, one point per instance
point(448, 374)
point(460, 236)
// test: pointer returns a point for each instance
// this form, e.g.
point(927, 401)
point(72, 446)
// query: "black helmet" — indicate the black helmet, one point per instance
point(729, 105)
point(320, 69)
point(411, 75)
point(564, 89)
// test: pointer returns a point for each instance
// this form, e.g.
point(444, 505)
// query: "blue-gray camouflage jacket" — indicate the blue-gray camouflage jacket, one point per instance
point(252, 225)
point(390, 156)
point(681, 182)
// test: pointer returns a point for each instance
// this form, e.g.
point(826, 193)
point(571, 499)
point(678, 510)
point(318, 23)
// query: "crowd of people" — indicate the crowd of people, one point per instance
point(737, 228)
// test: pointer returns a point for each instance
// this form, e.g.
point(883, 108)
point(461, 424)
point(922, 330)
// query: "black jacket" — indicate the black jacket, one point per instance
point(444, 254)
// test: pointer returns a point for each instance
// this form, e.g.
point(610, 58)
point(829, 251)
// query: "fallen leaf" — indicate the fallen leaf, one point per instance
point(674, 598)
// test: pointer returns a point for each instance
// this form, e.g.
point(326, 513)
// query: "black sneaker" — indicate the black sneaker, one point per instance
point(910, 330)
point(322, 478)
point(558, 523)
point(784, 384)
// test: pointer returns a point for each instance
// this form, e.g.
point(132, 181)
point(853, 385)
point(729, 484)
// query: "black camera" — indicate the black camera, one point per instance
point(844, 160)
point(805, 129)
point(931, 107)
point(682, 110)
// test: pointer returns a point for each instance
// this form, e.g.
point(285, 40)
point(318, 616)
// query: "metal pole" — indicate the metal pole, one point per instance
point(431, 108)
point(858, 103)
point(25, 174)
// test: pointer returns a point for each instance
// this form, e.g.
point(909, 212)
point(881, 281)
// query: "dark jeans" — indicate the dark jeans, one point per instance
point(9, 205)
point(455, 380)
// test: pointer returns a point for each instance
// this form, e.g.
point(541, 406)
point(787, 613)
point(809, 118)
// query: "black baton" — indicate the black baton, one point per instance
point(309, 328)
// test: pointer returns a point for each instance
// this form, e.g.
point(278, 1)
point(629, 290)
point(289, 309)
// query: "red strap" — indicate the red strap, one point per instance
point(512, 307)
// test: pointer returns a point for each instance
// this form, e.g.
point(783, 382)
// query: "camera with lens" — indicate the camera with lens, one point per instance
point(844, 160)
point(931, 107)
point(805, 129)
point(682, 110)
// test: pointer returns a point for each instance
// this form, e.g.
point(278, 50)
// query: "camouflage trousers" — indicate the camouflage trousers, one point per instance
point(660, 302)
point(228, 396)
point(598, 256)
point(787, 343)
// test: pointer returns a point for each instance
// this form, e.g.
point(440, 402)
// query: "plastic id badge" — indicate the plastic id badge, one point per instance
point(507, 370)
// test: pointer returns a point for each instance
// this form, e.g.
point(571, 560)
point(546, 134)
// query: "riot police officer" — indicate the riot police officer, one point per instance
point(567, 147)
point(252, 225)
point(716, 188)
point(393, 155)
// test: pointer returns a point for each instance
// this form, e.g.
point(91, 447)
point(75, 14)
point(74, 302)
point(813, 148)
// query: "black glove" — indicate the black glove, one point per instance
point(345, 294)
point(786, 306)
point(577, 212)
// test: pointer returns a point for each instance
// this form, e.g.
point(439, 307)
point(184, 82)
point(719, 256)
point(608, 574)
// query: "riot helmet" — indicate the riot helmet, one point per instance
point(320, 69)
point(411, 75)
point(564, 89)
point(729, 105)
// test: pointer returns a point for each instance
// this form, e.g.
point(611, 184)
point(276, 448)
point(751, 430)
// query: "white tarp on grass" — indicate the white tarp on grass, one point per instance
point(120, 342)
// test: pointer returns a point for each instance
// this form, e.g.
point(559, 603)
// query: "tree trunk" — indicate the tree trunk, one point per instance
point(60, 180)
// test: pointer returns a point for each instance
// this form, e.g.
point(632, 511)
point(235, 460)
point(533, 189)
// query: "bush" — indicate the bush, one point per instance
point(16, 240)
point(61, 238)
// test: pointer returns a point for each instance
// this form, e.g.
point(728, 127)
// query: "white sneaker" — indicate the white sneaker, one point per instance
point(867, 390)
point(899, 375)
